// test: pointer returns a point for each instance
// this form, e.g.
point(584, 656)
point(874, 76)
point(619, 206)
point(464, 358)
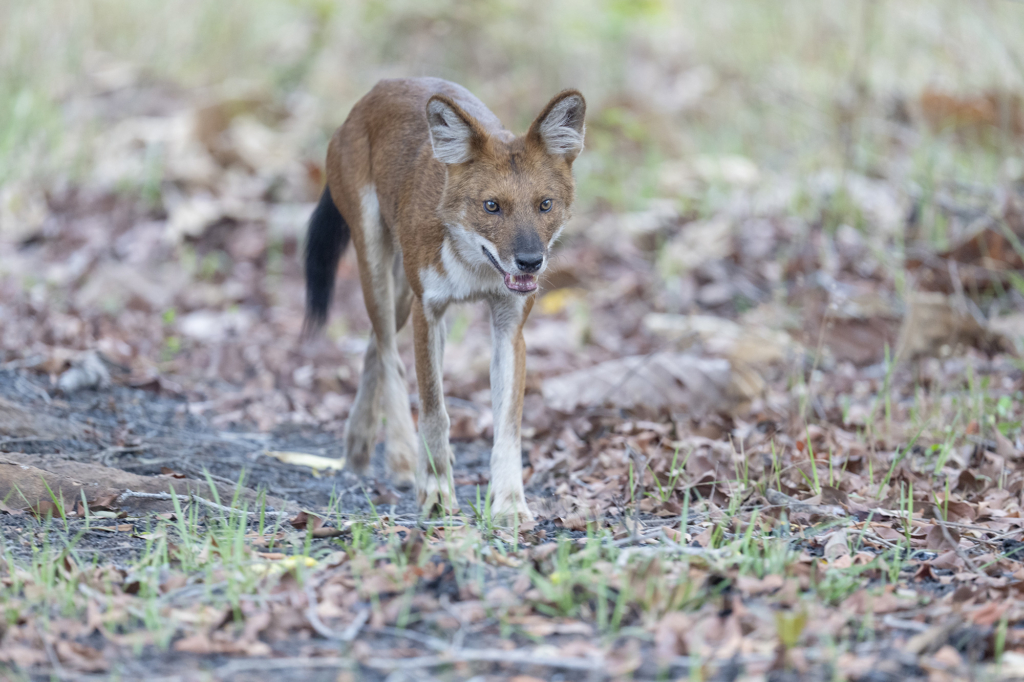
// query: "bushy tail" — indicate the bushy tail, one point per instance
point(325, 243)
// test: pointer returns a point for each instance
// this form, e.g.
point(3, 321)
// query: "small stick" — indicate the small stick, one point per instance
point(875, 537)
point(460, 635)
point(426, 640)
point(778, 499)
point(346, 635)
point(265, 664)
point(51, 655)
point(131, 494)
point(956, 545)
point(352, 631)
point(487, 656)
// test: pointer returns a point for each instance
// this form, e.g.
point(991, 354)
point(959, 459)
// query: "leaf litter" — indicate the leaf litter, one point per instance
point(679, 500)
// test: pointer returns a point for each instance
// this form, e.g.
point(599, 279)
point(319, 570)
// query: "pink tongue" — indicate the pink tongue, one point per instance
point(520, 282)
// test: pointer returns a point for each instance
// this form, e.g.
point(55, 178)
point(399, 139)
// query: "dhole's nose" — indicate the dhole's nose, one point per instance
point(529, 262)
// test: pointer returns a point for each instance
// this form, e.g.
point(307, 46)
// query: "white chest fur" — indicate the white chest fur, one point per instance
point(465, 274)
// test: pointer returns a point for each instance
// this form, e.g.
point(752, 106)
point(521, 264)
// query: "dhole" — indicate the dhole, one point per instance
point(444, 205)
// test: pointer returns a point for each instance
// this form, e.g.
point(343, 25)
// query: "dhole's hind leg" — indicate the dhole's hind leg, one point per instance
point(377, 256)
point(364, 418)
point(400, 461)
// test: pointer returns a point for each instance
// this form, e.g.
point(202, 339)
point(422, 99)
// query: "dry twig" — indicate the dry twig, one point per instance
point(192, 497)
point(956, 545)
point(346, 635)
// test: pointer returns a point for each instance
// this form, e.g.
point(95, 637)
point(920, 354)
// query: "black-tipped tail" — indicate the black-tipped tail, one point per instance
point(325, 243)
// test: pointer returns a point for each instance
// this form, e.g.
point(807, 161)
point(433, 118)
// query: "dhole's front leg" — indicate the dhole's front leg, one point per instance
point(508, 384)
point(434, 483)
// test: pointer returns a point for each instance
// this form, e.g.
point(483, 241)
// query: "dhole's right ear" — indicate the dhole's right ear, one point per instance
point(452, 131)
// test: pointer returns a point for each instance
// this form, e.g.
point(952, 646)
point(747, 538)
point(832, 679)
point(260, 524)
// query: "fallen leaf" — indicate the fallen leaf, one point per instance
point(988, 110)
point(989, 614)
point(837, 546)
point(754, 587)
point(834, 496)
point(303, 459)
point(81, 657)
point(1004, 446)
point(936, 539)
point(949, 657)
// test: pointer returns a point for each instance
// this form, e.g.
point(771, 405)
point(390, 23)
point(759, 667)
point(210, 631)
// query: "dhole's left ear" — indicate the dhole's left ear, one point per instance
point(453, 132)
point(559, 128)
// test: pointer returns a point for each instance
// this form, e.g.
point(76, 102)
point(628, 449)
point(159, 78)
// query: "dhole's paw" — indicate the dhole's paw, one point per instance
point(402, 477)
point(437, 496)
point(505, 506)
point(358, 446)
point(400, 463)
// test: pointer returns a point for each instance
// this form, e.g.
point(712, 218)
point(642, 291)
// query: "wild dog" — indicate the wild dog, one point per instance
point(444, 205)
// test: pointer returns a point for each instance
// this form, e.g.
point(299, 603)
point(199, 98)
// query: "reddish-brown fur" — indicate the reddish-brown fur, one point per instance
point(432, 245)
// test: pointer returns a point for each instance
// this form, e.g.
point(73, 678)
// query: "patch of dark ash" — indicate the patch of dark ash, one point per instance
point(144, 433)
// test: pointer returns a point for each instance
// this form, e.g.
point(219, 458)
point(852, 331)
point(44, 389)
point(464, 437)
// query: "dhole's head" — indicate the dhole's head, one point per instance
point(507, 198)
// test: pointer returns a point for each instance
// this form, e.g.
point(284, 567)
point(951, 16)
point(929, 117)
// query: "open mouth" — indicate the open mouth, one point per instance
point(522, 284)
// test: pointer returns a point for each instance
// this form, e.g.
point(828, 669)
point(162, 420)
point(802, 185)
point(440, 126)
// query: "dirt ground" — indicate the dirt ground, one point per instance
point(144, 434)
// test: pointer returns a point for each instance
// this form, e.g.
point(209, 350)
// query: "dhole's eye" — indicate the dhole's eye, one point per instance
point(545, 205)
point(491, 206)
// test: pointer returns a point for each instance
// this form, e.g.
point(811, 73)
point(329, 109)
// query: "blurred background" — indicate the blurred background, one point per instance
point(776, 199)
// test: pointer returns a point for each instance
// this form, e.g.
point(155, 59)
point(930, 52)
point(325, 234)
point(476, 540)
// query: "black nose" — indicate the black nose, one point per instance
point(529, 262)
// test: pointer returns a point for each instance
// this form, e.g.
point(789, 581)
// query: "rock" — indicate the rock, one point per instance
point(933, 325)
point(113, 286)
point(730, 169)
point(22, 212)
point(212, 325)
point(750, 345)
point(87, 371)
point(656, 382)
point(696, 244)
point(1011, 327)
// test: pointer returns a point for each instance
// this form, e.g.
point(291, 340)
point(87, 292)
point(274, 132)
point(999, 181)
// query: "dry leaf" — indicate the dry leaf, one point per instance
point(837, 546)
point(81, 657)
point(303, 459)
point(936, 539)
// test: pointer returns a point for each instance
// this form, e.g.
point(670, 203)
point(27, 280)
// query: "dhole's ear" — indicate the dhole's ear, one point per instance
point(452, 131)
point(559, 128)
